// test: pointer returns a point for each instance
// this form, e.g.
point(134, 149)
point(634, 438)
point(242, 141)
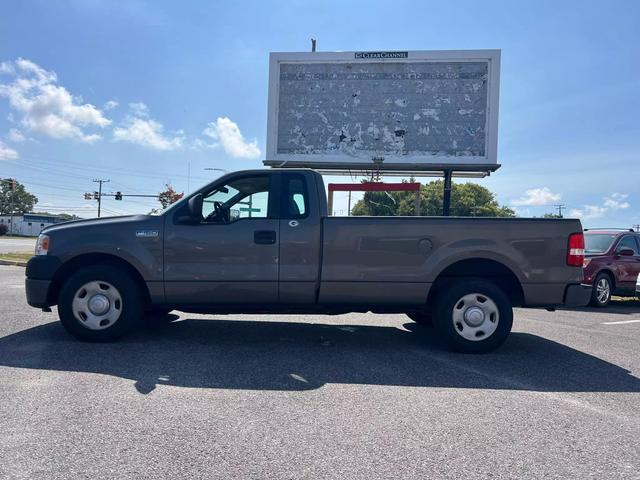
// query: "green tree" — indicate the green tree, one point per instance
point(14, 198)
point(551, 215)
point(169, 196)
point(467, 200)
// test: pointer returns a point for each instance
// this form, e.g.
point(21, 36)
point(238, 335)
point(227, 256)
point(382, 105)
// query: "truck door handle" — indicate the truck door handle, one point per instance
point(264, 237)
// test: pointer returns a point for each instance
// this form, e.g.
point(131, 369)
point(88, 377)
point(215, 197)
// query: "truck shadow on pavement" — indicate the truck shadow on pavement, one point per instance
point(266, 355)
point(618, 307)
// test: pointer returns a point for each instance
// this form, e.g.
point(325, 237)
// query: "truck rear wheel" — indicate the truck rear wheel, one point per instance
point(473, 316)
point(100, 303)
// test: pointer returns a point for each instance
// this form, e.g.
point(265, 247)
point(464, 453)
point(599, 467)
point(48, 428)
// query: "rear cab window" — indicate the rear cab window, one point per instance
point(295, 200)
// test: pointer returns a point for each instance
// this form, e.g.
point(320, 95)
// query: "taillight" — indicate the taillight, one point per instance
point(575, 253)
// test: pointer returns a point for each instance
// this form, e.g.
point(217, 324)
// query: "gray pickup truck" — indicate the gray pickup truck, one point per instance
point(261, 241)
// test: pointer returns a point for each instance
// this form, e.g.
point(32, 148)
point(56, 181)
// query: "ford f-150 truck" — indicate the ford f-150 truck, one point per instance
point(261, 241)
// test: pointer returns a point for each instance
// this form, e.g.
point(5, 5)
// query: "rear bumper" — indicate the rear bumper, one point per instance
point(37, 292)
point(577, 295)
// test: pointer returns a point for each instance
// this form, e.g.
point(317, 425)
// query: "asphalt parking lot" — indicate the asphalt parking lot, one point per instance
point(351, 396)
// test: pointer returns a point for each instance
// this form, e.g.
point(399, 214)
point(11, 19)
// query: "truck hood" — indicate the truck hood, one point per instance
point(106, 221)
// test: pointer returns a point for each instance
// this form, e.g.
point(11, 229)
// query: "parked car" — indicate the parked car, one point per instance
point(261, 241)
point(638, 287)
point(611, 264)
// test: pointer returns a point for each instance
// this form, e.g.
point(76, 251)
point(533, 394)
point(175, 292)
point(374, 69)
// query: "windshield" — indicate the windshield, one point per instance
point(597, 243)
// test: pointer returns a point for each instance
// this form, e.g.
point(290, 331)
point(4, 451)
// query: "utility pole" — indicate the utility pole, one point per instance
point(100, 182)
point(560, 208)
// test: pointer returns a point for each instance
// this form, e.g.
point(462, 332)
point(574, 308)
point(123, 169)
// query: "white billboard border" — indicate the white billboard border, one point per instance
point(339, 162)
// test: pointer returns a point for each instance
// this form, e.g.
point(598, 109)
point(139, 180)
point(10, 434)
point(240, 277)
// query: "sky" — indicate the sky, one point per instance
point(145, 93)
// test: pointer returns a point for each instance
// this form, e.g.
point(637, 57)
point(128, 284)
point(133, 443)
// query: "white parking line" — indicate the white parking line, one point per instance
point(621, 323)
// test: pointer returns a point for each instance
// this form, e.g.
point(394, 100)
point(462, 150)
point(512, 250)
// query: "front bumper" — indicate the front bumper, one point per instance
point(37, 292)
point(577, 295)
point(40, 271)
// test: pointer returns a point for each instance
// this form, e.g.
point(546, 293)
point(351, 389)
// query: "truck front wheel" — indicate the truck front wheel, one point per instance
point(100, 303)
point(473, 316)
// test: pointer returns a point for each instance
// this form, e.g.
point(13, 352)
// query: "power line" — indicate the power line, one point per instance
point(110, 170)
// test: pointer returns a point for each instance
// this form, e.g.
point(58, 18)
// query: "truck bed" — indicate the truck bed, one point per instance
point(399, 258)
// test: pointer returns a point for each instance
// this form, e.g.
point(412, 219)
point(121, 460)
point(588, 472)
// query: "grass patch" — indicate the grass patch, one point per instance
point(615, 298)
point(17, 256)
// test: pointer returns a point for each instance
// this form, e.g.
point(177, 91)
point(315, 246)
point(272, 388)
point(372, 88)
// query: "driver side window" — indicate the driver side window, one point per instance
point(245, 197)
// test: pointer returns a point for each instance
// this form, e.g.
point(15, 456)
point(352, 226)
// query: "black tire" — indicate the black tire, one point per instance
point(604, 280)
point(130, 305)
point(496, 317)
point(423, 318)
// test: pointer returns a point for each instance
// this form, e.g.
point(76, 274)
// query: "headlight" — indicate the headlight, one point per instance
point(42, 245)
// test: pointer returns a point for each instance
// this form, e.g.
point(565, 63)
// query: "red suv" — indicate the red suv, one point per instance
point(611, 263)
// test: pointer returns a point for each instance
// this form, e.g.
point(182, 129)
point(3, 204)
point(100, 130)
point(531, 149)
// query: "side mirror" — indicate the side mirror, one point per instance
point(195, 206)
point(625, 252)
point(195, 211)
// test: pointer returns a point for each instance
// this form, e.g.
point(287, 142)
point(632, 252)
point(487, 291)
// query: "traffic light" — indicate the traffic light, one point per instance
point(88, 196)
point(118, 195)
point(96, 195)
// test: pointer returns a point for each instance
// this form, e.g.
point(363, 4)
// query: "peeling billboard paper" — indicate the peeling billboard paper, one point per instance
point(407, 110)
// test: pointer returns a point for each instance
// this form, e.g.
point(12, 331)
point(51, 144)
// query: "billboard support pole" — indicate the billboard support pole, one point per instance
point(446, 197)
point(330, 203)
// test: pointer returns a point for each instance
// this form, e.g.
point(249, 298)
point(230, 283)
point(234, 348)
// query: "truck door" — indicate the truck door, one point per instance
point(300, 238)
point(231, 256)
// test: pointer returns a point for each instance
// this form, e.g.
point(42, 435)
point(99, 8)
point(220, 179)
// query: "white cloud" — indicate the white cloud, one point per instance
point(588, 212)
point(199, 144)
point(110, 105)
point(139, 109)
point(15, 136)
point(227, 133)
point(46, 107)
point(140, 129)
point(615, 201)
point(7, 153)
point(7, 68)
point(537, 197)
point(147, 133)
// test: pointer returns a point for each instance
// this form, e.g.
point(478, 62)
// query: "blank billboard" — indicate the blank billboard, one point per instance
point(407, 110)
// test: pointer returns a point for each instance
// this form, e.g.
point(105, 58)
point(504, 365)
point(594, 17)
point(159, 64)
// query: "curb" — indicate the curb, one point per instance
point(15, 263)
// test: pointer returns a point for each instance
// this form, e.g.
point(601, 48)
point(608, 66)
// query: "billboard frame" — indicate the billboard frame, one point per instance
point(342, 163)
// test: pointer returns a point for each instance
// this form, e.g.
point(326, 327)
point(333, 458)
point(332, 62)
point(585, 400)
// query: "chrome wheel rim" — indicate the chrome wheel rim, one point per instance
point(603, 290)
point(475, 317)
point(97, 305)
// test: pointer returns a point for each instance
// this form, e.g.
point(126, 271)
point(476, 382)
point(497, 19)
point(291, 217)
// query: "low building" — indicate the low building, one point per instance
point(28, 224)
